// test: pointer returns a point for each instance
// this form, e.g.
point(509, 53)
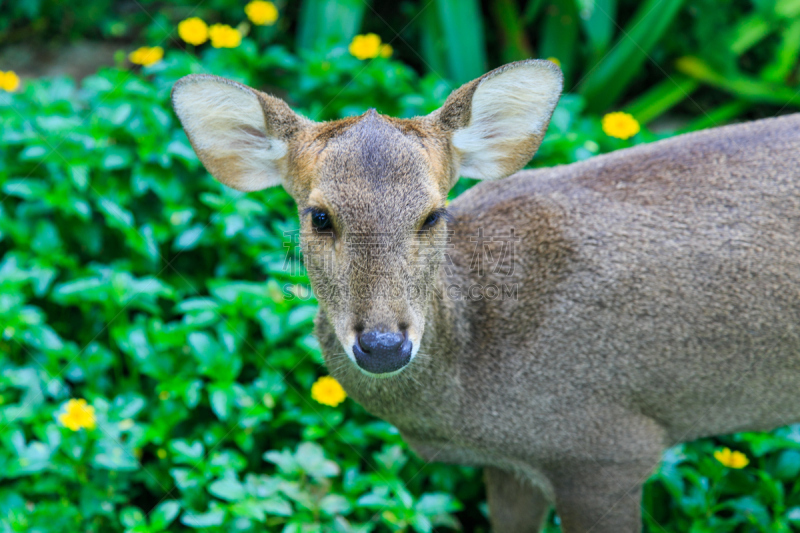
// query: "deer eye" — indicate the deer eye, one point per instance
point(321, 220)
point(432, 219)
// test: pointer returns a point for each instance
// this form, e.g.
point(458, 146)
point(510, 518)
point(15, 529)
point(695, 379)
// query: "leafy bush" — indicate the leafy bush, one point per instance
point(134, 280)
point(178, 309)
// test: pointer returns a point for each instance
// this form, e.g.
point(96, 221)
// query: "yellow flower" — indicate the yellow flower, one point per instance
point(77, 415)
point(365, 46)
point(554, 60)
point(161, 453)
point(193, 31)
point(146, 56)
point(731, 459)
point(327, 391)
point(261, 13)
point(9, 81)
point(223, 36)
point(386, 50)
point(620, 125)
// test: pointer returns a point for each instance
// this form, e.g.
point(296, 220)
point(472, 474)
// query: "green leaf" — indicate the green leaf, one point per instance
point(228, 489)
point(187, 453)
point(277, 506)
point(163, 515)
point(311, 460)
point(609, 79)
point(189, 238)
point(222, 400)
point(27, 188)
point(560, 35)
point(462, 30)
point(131, 517)
point(212, 518)
point(113, 455)
point(392, 458)
point(334, 504)
point(436, 503)
point(326, 23)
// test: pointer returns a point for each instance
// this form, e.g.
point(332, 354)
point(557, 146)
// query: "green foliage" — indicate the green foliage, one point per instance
point(180, 311)
point(609, 50)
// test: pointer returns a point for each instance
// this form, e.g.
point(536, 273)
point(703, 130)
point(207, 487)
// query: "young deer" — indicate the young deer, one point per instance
point(641, 298)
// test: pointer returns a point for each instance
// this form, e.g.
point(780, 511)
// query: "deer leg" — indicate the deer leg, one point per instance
point(601, 499)
point(515, 506)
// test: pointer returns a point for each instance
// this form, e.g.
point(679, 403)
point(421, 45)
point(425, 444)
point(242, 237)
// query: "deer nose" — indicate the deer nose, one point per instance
point(379, 351)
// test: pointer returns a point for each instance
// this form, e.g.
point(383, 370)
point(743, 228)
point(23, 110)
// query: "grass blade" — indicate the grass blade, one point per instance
point(531, 10)
point(509, 23)
point(326, 23)
point(742, 86)
point(662, 98)
point(560, 36)
point(465, 48)
point(786, 58)
point(432, 45)
point(597, 20)
point(721, 115)
point(608, 81)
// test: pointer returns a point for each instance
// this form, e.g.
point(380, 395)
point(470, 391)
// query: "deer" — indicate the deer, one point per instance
point(642, 298)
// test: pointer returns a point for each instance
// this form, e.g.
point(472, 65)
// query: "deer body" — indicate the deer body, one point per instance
point(656, 294)
point(659, 302)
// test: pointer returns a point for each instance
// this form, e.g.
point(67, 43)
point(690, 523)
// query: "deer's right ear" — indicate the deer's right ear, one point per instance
point(498, 120)
point(241, 135)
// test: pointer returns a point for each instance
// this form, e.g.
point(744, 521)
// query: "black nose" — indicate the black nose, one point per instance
point(380, 352)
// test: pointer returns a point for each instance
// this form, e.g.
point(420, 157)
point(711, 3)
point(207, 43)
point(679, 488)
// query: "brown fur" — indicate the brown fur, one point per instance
point(658, 301)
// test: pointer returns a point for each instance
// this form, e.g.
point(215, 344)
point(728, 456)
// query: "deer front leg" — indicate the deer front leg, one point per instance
point(601, 498)
point(515, 506)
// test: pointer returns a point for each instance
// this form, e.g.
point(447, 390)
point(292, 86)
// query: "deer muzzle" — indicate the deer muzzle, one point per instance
point(381, 352)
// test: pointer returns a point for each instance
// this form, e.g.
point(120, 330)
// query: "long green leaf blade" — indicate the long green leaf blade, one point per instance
point(326, 23)
point(462, 27)
point(606, 83)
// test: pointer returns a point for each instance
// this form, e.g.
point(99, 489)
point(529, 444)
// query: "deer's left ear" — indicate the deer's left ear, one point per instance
point(498, 120)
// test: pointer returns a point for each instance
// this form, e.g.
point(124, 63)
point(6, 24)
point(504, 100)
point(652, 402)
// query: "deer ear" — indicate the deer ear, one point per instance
point(241, 135)
point(498, 120)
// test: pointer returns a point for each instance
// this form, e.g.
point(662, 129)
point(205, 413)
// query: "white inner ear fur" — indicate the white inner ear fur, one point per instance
point(507, 110)
point(226, 125)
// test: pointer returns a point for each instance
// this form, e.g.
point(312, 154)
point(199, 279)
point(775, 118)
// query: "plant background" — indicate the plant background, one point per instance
point(129, 277)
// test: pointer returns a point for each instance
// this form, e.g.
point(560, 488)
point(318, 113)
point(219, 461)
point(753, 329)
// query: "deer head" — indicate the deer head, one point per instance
point(371, 190)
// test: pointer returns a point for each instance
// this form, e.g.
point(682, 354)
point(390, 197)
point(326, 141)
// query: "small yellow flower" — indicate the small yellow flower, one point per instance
point(620, 125)
point(261, 13)
point(365, 46)
point(193, 31)
point(146, 56)
point(223, 36)
point(731, 459)
point(77, 415)
point(555, 60)
point(9, 81)
point(126, 424)
point(161, 453)
point(386, 50)
point(327, 391)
